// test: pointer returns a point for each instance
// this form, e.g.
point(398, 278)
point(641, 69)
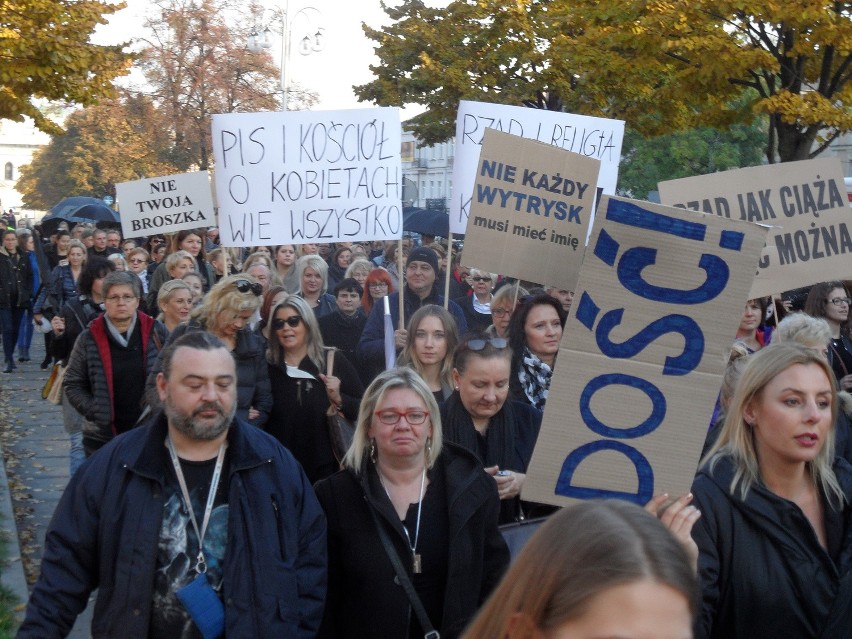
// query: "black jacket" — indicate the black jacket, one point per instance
point(476, 321)
point(106, 528)
point(16, 279)
point(343, 332)
point(252, 379)
point(298, 418)
point(763, 572)
point(364, 599)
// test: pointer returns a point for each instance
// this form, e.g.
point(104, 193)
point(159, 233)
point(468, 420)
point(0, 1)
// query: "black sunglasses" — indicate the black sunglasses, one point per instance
point(244, 286)
point(477, 278)
point(477, 344)
point(292, 321)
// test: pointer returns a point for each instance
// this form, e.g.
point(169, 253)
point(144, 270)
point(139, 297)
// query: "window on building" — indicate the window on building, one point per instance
point(9, 171)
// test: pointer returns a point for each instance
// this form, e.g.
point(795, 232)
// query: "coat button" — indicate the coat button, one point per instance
point(137, 612)
point(396, 580)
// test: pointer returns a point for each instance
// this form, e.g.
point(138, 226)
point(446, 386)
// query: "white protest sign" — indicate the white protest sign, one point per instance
point(597, 138)
point(804, 203)
point(308, 176)
point(531, 209)
point(165, 204)
point(640, 363)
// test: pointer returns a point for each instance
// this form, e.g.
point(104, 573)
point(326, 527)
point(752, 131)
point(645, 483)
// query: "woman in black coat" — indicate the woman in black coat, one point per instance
point(436, 507)
point(479, 416)
point(302, 388)
point(775, 533)
point(16, 289)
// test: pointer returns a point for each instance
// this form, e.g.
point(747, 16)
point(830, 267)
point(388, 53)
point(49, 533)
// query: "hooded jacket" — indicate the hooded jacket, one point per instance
point(763, 573)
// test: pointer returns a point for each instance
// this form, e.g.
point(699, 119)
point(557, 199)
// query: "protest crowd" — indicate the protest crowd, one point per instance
point(208, 393)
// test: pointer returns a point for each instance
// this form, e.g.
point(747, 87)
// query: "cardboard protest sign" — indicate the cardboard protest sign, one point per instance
point(165, 204)
point(531, 208)
point(657, 305)
point(597, 138)
point(804, 203)
point(308, 176)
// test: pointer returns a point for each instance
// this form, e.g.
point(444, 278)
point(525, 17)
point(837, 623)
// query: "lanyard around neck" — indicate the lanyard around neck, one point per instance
point(200, 563)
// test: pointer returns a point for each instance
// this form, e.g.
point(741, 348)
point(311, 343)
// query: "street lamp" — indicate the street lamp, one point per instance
point(311, 38)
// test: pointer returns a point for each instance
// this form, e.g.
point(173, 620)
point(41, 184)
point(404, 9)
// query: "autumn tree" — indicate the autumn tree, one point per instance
point(196, 63)
point(115, 141)
point(45, 53)
point(661, 66)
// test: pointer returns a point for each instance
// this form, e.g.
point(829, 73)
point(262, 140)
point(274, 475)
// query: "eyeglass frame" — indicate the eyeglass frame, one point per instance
point(400, 414)
point(838, 301)
point(378, 285)
point(244, 286)
point(279, 322)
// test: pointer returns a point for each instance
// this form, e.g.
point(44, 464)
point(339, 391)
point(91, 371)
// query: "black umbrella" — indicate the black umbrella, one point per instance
point(426, 222)
point(80, 209)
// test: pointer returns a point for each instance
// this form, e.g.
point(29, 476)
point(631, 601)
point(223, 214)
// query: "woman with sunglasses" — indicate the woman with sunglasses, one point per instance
point(302, 389)
point(137, 262)
point(225, 313)
point(481, 417)
point(477, 305)
point(429, 346)
point(830, 300)
point(404, 494)
point(535, 332)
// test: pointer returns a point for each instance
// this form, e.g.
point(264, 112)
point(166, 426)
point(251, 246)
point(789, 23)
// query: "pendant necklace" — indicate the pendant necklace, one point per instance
point(416, 560)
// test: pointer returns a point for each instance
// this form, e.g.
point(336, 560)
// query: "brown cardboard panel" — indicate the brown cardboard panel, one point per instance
point(804, 203)
point(532, 203)
point(655, 310)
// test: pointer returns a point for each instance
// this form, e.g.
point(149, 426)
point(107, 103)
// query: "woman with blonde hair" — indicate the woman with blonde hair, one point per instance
point(313, 284)
point(594, 569)
point(174, 299)
point(431, 341)
point(358, 270)
point(775, 533)
point(225, 313)
point(407, 507)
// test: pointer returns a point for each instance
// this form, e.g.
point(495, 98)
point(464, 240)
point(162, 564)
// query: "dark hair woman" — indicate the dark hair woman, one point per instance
point(830, 301)
point(404, 491)
point(191, 241)
point(480, 416)
point(74, 316)
point(16, 284)
point(535, 331)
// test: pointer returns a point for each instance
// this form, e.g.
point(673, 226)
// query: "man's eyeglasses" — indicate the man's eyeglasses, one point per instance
point(478, 344)
point(479, 278)
point(840, 301)
point(279, 322)
point(391, 417)
point(125, 299)
point(244, 286)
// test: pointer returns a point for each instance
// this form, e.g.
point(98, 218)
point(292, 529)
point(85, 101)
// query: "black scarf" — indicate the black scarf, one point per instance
point(499, 442)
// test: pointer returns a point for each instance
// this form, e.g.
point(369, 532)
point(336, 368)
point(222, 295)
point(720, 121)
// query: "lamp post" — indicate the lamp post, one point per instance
point(312, 38)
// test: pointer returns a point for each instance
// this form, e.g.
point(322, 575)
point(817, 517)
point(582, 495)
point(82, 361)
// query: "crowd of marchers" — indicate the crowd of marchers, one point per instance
point(208, 497)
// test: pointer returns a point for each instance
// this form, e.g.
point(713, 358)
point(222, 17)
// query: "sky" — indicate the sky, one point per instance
point(330, 73)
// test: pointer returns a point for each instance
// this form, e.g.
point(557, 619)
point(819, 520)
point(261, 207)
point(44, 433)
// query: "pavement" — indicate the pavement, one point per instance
point(33, 474)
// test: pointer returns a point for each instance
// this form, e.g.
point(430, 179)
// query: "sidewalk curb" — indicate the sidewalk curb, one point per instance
point(11, 568)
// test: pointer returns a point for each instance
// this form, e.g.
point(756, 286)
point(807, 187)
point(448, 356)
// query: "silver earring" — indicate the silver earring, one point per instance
point(373, 455)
